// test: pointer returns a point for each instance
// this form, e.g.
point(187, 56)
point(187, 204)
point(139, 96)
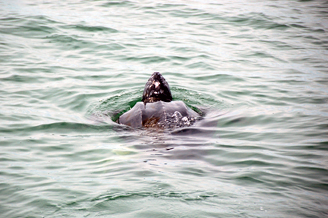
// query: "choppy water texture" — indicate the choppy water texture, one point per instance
point(258, 68)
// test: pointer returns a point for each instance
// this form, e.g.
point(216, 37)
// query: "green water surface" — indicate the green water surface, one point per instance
point(258, 70)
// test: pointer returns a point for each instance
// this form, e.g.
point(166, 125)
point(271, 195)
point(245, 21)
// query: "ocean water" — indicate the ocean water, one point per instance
point(258, 70)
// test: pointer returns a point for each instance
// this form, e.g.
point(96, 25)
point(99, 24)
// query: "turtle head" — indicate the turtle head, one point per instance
point(156, 89)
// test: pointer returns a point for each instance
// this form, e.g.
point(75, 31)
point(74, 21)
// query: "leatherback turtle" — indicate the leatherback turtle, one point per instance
point(157, 108)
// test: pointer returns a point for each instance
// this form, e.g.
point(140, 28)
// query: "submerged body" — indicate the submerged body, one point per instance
point(157, 109)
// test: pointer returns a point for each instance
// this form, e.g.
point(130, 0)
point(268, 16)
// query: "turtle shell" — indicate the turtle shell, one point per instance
point(159, 114)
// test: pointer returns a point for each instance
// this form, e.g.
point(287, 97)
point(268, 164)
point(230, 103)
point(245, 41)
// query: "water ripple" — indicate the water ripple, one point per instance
point(255, 71)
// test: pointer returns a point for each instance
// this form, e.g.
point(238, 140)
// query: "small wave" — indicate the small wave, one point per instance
point(187, 196)
point(70, 42)
point(58, 127)
point(91, 28)
point(29, 26)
